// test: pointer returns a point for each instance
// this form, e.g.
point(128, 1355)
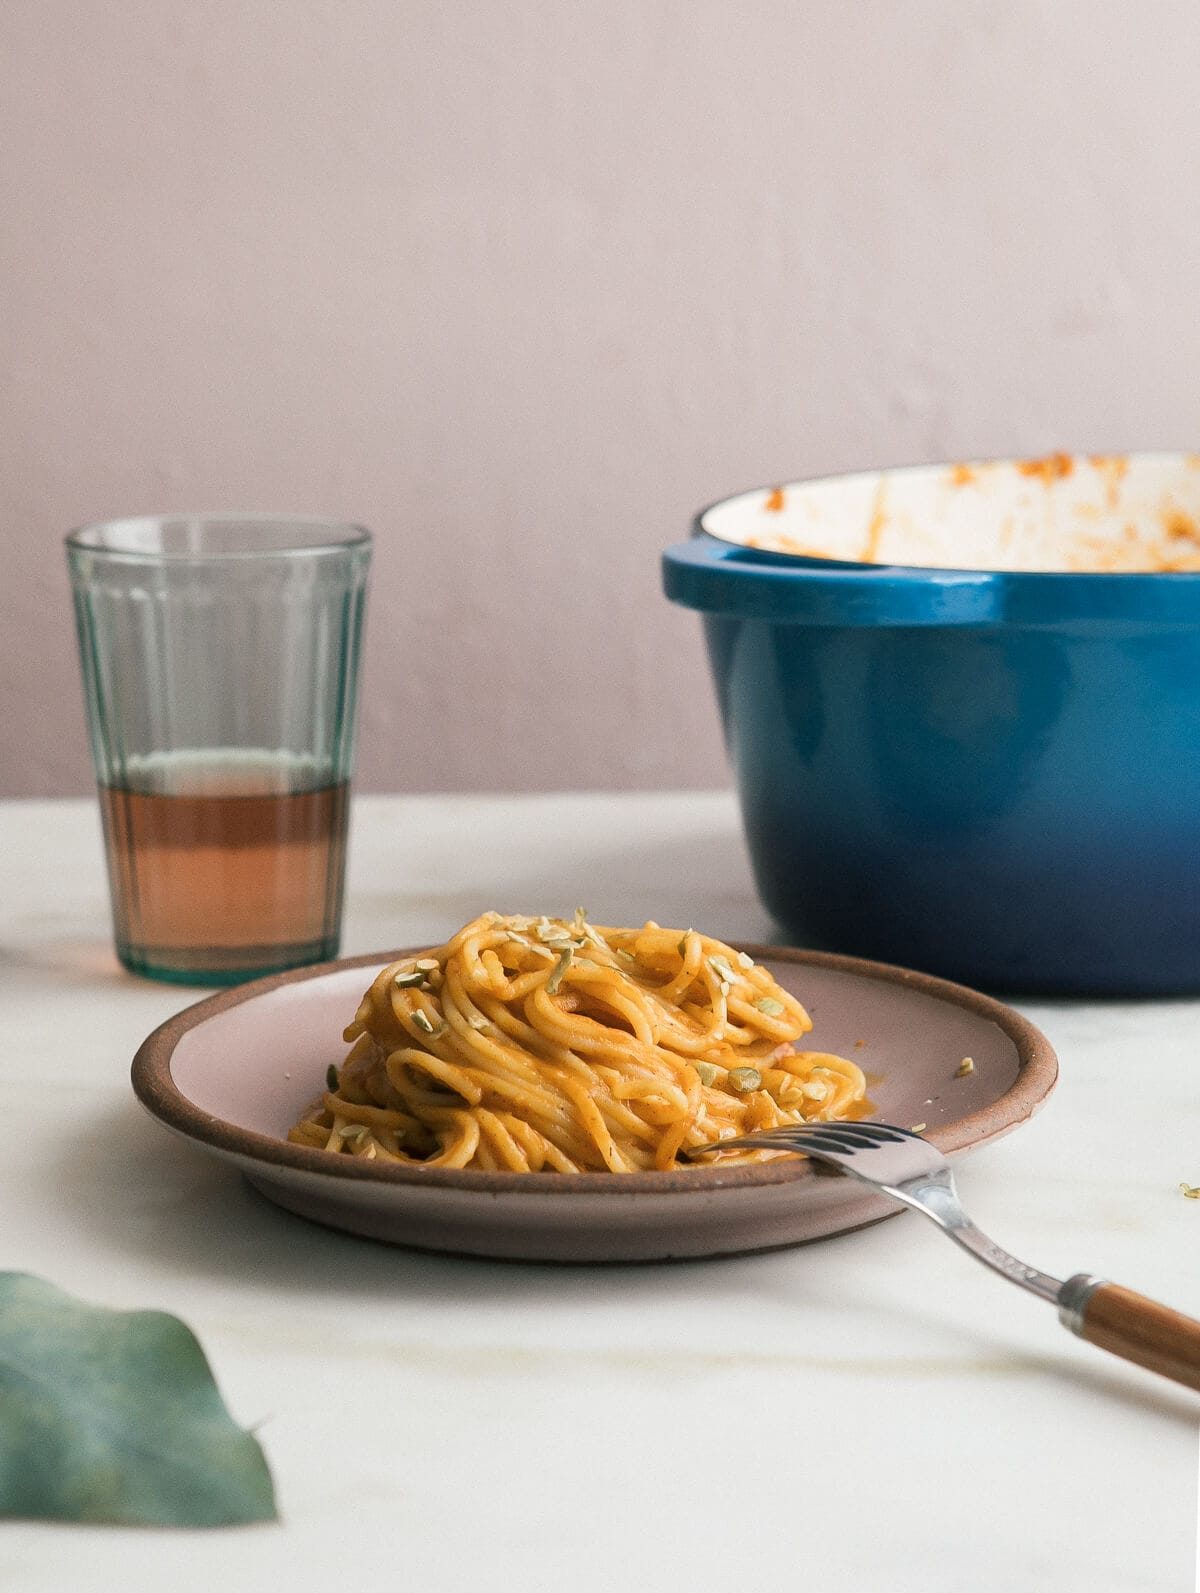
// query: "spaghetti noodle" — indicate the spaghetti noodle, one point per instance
point(542, 1044)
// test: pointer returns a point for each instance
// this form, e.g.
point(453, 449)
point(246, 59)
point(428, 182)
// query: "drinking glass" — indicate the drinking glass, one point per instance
point(220, 663)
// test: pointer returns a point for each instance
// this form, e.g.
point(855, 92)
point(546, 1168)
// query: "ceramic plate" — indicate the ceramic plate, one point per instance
point(232, 1073)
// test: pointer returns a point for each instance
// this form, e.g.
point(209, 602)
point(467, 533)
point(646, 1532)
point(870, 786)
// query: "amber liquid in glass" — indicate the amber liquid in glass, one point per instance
point(216, 879)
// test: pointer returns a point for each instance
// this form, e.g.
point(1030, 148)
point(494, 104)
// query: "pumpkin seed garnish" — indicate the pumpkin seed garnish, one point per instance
point(744, 1079)
point(770, 1006)
point(560, 968)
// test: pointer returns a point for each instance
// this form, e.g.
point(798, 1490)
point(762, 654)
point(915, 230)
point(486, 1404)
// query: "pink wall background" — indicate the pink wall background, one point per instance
point(522, 285)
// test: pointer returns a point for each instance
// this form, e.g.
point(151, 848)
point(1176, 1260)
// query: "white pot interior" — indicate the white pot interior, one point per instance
point(1111, 513)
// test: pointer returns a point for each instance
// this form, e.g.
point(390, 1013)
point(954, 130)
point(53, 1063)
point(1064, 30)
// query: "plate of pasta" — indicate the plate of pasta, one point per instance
point(532, 1088)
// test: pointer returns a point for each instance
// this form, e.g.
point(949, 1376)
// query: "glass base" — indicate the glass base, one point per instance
point(222, 965)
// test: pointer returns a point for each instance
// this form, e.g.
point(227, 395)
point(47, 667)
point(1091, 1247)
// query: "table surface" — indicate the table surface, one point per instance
point(872, 1412)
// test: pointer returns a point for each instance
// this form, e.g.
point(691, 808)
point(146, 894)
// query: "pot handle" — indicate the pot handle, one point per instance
point(752, 583)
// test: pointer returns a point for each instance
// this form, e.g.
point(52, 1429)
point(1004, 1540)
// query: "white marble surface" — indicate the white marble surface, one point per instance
point(871, 1413)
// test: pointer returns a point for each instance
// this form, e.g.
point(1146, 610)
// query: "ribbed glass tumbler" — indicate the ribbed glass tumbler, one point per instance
point(220, 664)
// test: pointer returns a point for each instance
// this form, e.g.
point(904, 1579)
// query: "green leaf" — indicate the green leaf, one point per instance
point(114, 1416)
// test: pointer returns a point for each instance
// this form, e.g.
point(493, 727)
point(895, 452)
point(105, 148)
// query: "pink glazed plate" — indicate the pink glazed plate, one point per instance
point(232, 1073)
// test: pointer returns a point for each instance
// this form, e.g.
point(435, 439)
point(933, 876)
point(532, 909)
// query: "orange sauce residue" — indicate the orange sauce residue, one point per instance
point(1181, 527)
point(1095, 556)
point(1050, 469)
point(1134, 554)
point(961, 475)
point(1112, 467)
point(775, 501)
point(870, 553)
point(779, 543)
point(1183, 542)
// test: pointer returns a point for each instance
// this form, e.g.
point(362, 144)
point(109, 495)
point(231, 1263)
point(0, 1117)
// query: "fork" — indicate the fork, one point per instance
point(910, 1170)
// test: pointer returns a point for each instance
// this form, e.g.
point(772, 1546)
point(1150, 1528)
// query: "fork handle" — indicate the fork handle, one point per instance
point(1130, 1325)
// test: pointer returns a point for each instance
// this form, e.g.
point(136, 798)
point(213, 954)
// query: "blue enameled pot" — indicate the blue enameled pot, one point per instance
point(989, 773)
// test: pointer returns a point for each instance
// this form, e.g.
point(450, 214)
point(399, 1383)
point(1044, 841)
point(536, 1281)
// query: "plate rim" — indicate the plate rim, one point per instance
point(157, 1092)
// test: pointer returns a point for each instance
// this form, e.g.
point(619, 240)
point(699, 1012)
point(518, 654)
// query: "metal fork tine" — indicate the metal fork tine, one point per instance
point(835, 1138)
point(864, 1135)
point(784, 1141)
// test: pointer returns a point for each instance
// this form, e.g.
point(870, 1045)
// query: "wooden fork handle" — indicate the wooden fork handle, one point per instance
point(1130, 1325)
